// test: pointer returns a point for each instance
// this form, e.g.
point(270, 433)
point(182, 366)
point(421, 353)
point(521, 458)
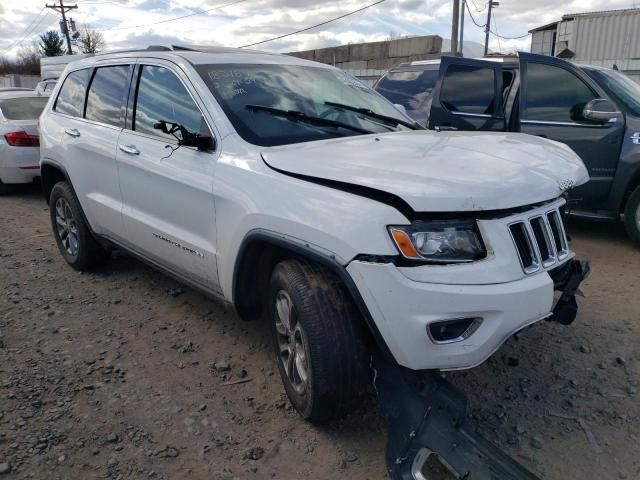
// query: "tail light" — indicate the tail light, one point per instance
point(22, 139)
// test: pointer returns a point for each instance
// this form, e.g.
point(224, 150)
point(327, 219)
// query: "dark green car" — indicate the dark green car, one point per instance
point(594, 110)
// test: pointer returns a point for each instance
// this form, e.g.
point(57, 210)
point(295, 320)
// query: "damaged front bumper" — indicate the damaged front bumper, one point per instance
point(567, 280)
point(430, 437)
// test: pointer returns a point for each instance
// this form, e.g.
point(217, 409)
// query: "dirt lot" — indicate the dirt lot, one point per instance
point(122, 373)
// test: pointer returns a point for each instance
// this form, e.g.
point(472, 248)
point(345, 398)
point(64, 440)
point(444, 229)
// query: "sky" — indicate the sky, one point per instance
point(233, 23)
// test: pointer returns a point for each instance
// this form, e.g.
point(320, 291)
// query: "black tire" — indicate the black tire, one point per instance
point(84, 253)
point(332, 338)
point(4, 188)
point(632, 216)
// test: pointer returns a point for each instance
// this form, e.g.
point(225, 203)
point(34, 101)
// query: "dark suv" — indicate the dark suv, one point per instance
point(594, 110)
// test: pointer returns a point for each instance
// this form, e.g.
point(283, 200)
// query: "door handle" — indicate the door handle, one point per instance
point(442, 128)
point(635, 138)
point(130, 149)
point(72, 132)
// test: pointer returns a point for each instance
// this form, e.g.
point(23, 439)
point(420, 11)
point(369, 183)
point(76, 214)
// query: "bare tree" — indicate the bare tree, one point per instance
point(91, 41)
point(29, 59)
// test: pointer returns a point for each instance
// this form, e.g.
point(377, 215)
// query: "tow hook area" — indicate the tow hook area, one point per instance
point(567, 281)
point(430, 437)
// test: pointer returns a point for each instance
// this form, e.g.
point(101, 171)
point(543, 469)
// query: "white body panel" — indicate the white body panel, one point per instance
point(191, 211)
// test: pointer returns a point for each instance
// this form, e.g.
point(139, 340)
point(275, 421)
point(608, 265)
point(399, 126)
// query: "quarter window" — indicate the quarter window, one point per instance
point(469, 89)
point(164, 105)
point(104, 100)
point(554, 94)
point(71, 97)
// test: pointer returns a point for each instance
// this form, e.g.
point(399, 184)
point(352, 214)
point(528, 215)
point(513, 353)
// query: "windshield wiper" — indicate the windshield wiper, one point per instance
point(297, 116)
point(379, 116)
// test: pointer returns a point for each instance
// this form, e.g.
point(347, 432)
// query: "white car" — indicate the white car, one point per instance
point(19, 141)
point(301, 196)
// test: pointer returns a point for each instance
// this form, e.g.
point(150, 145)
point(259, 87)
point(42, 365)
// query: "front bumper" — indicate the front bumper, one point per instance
point(402, 309)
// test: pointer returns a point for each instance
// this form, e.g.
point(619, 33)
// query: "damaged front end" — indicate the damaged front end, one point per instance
point(430, 437)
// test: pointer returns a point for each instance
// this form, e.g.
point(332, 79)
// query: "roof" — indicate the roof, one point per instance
point(202, 55)
point(600, 13)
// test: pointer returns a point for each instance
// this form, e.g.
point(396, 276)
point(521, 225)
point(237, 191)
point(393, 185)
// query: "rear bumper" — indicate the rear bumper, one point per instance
point(19, 164)
point(403, 309)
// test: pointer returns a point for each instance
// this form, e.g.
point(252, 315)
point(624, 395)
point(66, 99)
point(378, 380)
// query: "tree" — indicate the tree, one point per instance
point(51, 44)
point(29, 59)
point(91, 41)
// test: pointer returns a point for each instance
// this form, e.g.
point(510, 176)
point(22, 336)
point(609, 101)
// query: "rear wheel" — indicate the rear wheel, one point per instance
point(74, 239)
point(318, 338)
point(632, 216)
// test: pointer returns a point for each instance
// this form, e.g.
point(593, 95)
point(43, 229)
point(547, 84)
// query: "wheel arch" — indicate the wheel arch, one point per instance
point(50, 174)
point(258, 255)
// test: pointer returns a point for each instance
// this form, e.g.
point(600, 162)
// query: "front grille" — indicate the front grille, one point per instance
point(541, 241)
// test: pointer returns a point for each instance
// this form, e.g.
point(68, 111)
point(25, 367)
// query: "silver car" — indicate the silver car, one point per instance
point(19, 139)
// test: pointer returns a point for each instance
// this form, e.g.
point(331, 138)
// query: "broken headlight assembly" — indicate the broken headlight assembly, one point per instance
point(439, 241)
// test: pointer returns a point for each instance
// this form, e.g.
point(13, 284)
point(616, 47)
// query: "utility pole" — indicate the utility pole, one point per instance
point(63, 9)
point(461, 46)
point(455, 22)
point(487, 27)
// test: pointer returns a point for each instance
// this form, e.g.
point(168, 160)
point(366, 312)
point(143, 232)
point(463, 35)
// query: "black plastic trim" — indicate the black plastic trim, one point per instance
point(326, 261)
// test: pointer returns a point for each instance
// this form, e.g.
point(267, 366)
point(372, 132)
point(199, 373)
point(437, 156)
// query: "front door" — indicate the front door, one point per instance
point(468, 96)
point(552, 97)
point(167, 188)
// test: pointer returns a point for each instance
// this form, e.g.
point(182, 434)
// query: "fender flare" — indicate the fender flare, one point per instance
point(328, 261)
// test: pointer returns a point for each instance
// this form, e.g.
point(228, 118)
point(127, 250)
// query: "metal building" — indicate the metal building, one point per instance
point(604, 38)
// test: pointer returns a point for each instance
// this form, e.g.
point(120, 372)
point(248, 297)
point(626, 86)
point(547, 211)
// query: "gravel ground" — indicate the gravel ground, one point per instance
point(123, 373)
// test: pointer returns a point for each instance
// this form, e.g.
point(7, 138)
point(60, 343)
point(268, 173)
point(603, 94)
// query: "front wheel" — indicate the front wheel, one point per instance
point(632, 216)
point(74, 239)
point(318, 339)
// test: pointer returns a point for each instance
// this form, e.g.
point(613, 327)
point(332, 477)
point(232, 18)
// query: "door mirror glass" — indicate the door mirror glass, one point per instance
point(600, 110)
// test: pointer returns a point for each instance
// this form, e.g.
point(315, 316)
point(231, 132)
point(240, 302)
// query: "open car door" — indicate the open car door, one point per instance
point(555, 99)
point(468, 96)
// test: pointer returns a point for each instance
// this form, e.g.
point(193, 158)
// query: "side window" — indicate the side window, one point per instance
point(71, 97)
point(163, 104)
point(469, 89)
point(104, 100)
point(554, 94)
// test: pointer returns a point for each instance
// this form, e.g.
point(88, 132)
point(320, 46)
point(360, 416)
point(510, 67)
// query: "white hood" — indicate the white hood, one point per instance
point(441, 171)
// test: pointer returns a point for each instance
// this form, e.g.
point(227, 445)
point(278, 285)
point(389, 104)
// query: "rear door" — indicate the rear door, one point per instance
point(468, 96)
point(87, 119)
point(168, 208)
point(552, 96)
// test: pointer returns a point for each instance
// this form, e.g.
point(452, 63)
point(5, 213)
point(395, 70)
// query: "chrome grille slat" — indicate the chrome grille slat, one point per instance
point(540, 241)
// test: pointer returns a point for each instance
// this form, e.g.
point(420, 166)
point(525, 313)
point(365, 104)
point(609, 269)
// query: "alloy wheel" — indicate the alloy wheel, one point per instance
point(291, 343)
point(67, 227)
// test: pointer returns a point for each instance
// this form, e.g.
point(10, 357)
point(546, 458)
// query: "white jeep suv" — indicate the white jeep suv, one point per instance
point(298, 194)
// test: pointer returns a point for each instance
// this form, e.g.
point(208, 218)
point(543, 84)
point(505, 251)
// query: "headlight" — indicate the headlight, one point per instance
point(439, 241)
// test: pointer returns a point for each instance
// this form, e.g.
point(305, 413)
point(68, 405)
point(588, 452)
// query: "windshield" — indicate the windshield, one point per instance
point(243, 92)
point(625, 90)
point(410, 88)
point(22, 108)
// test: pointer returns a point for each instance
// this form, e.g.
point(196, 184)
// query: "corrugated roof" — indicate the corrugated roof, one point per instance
point(621, 11)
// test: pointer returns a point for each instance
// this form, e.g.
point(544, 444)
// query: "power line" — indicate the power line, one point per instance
point(472, 18)
point(314, 26)
point(177, 18)
point(479, 10)
point(27, 30)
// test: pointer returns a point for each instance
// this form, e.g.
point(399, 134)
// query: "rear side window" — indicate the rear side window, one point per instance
point(71, 97)
point(104, 100)
point(22, 108)
point(163, 104)
point(554, 94)
point(469, 89)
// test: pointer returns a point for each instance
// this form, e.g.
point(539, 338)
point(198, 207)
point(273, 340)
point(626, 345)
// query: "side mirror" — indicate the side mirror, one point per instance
point(601, 110)
point(401, 108)
point(201, 142)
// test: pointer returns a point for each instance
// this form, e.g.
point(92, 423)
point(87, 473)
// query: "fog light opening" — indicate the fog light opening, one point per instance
point(429, 465)
point(454, 330)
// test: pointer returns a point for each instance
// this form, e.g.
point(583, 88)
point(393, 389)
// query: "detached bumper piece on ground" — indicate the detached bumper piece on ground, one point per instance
point(430, 437)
